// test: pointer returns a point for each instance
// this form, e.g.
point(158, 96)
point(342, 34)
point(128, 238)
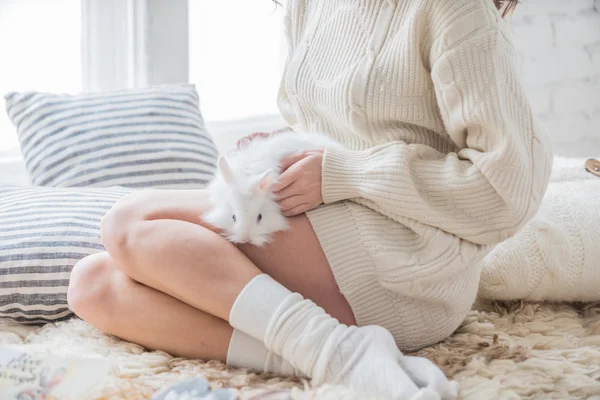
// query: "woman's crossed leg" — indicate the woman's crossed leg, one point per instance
point(169, 282)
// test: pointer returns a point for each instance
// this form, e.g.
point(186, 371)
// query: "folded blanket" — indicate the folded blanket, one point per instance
point(556, 256)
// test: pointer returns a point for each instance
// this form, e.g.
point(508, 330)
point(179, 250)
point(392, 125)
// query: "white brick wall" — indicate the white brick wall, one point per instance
point(559, 44)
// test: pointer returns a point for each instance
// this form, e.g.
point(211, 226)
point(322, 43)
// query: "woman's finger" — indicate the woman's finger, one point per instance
point(294, 189)
point(288, 161)
point(299, 209)
point(286, 179)
point(291, 202)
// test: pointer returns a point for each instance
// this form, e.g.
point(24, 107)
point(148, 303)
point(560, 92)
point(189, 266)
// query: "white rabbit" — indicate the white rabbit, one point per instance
point(243, 205)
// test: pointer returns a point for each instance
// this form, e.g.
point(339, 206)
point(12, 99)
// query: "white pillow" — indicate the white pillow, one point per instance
point(153, 137)
point(557, 254)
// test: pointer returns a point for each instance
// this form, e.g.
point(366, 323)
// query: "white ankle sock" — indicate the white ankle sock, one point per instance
point(247, 352)
point(365, 359)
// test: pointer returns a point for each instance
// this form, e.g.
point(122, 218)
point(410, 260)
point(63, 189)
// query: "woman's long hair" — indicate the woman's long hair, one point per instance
point(506, 6)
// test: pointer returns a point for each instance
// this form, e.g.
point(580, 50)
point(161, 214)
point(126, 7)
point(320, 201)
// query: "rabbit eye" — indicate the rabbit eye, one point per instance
point(259, 218)
point(233, 218)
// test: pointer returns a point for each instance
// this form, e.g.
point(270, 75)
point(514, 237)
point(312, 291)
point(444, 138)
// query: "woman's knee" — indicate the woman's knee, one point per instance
point(90, 289)
point(120, 223)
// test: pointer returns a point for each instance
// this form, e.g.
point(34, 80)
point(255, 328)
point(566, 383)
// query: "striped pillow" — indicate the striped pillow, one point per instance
point(151, 137)
point(37, 254)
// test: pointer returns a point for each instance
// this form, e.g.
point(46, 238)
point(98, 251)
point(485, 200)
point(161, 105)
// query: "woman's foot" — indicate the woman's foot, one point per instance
point(365, 359)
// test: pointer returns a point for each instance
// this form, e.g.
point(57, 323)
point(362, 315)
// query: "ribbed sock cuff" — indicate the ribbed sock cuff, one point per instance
point(256, 304)
point(246, 352)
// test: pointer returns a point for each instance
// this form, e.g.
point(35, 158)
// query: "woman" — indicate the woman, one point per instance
point(444, 160)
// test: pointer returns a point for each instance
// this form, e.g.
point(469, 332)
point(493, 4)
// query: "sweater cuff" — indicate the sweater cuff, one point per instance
point(342, 174)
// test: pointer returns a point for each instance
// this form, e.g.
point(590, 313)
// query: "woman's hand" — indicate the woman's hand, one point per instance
point(299, 186)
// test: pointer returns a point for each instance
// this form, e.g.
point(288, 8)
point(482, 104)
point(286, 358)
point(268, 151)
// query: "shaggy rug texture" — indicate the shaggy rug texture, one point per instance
point(503, 350)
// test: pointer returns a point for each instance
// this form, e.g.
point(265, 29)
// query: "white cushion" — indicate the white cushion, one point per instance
point(556, 256)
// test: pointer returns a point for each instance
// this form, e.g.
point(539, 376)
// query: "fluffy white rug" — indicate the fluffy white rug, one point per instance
point(503, 350)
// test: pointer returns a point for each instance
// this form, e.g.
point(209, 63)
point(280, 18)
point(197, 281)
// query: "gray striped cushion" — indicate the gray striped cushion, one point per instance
point(151, 137)
point(43, 233)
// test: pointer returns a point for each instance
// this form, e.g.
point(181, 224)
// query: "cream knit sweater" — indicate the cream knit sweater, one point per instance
point(443, 151)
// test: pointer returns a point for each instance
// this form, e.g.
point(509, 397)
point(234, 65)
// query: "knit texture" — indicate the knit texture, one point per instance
point(247, 352)
point(443, 156)
point(365, 359)
point(556, 256)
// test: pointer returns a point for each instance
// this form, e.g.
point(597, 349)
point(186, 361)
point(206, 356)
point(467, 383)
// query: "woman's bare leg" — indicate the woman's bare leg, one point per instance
point(103, 294)
point(182, 258)
point(296, 260)
point(190, 262)
point(108, 299)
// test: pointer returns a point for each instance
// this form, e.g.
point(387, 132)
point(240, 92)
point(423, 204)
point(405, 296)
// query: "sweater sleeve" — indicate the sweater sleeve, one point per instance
point(488, 189)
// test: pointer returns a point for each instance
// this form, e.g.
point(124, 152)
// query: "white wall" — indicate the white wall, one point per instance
point(559, 43)
point(39, 50)
point(237, 74)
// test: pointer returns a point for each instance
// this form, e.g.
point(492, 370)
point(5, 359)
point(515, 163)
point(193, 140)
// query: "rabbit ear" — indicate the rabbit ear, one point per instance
point(226, 170)
point(244, 142)
point(265, 181)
